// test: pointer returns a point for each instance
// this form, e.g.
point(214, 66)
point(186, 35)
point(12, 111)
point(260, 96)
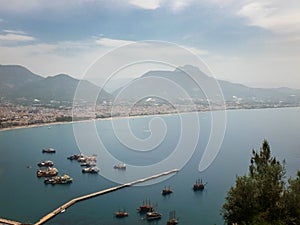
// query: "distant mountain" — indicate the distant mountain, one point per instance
point(13, 77)
point(231, 91)
point(17, 82)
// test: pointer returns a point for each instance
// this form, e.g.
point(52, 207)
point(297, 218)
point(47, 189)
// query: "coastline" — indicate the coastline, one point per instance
point(88, 120)
point(133, 116)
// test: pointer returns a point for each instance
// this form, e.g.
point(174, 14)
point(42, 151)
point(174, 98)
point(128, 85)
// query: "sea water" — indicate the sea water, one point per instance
point(25, 198)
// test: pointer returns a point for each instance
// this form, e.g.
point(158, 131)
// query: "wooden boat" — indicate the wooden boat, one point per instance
point(90, 170)
point(120, 166)
point(48, 150)
point(46, 163)
point(172, 218)
point(49, 172)
point(199, 185)
point(153, 215)
point(167, 191)
point(121, 214)
point(65, 179)
point(145, 207)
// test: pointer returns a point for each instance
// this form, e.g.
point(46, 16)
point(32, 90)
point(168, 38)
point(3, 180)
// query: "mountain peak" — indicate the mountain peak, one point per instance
point(62, 76)
point(188, 68)
point(18, 82)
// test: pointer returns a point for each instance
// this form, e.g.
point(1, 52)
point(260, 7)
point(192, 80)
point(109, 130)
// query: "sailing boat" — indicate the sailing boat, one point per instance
point(145, 207)
point(198, 185)
point(153, 214)
point(166, 191)
point(121, 214)
point(172, 218)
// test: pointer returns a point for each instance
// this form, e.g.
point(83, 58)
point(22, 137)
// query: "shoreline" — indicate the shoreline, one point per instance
point(134, 116)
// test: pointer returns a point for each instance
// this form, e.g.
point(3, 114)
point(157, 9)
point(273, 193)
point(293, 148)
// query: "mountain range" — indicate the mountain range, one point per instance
point(18, 84)
point(182, 77)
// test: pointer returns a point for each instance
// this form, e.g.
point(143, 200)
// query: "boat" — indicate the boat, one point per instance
point(84, 158)
point(153, 215)
point(172, 218)
point(120, 166)
point(121, 214)
point(49, 172)
point(90, 170)
point(88, 164)
point(145, 207)
point(74, 157)
point(48, 150)
point(167, 191)
point(46, 163)
point(198, 186)
point(65, 179)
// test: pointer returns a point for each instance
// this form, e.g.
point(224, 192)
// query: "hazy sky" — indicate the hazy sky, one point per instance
point(252, 42)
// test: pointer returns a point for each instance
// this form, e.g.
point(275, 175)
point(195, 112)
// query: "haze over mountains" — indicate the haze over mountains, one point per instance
point(19, 84)
point(230, 91)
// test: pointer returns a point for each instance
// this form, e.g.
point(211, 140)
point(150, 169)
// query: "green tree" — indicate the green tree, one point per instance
point(256, 197)
point(291, 201)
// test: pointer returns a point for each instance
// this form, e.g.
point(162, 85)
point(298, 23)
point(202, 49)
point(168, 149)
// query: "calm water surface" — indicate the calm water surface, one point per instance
point(24, 197)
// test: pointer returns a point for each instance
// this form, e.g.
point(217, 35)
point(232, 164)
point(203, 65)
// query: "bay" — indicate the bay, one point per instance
point(25, 198)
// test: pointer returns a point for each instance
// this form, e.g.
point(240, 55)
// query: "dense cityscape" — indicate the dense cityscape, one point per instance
point(17, 115)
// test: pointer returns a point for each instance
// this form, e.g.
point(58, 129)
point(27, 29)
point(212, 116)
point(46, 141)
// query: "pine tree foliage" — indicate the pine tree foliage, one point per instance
point(261, 197)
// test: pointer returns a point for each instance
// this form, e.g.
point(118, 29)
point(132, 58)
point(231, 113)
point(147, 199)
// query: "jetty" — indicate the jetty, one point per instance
point(92, 195)
point(8, 222)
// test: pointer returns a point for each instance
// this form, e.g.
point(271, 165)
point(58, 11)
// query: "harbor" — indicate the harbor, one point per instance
point(190, 205)
point(92, 195)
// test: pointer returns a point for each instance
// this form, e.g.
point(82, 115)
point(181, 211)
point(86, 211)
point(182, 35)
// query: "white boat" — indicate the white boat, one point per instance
point(120, 166)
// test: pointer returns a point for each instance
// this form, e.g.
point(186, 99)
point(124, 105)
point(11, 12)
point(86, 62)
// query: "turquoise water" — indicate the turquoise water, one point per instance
point(24, 197)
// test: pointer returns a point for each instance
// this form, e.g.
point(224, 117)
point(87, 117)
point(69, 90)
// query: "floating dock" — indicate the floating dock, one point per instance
point(78, 199)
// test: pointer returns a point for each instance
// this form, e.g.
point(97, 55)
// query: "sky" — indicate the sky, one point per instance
point(256, 43)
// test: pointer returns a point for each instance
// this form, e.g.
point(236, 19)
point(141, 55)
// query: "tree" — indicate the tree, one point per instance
point(291, 201)
point(257, 197)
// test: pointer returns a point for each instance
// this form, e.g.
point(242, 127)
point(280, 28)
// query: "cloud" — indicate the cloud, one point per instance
point(173, 5)
point(108, 42)
point(16, 37)
point(179, 5)
point(146, 4)
point(15, 31)
point(277, 16)
point(50, 59)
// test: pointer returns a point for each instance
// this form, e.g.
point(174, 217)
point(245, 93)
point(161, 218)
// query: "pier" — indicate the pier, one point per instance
point(92, 195)
point(8, 222)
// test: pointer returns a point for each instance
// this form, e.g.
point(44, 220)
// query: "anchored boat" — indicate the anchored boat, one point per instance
point(145, 207)
point(198, 185)
point(90, 170)
point(121, 214)
point(120, 166)
point(153, 216)
point(65, 179)
point(49, 172)
point(172, 218)
point(48, 150)
point(167, 191)
point(46, 163)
